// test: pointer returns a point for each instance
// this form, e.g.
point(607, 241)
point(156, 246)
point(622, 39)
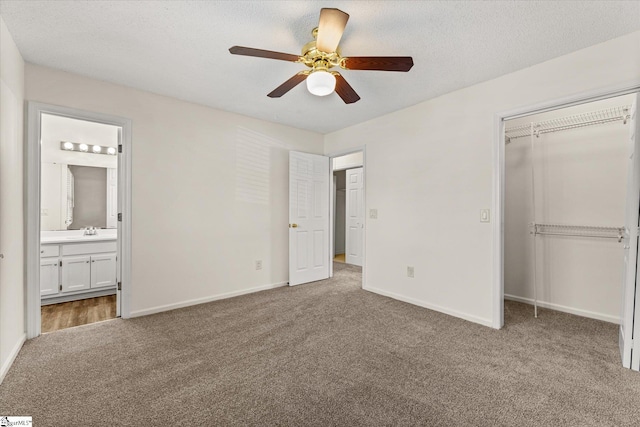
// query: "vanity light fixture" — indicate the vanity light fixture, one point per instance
point(87, 148)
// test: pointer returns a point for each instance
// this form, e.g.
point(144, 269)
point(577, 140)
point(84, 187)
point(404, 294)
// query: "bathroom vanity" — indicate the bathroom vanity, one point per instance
point(74, 266)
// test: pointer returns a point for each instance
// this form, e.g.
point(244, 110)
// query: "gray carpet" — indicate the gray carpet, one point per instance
point(326, 353)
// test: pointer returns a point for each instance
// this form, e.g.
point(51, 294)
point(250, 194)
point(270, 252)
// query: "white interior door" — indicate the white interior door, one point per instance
point(355, 216)
point(308, 217)
point(631, 242)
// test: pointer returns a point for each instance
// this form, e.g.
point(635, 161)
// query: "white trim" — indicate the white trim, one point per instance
point(197, 301)
point(331, 156)
point(434, 307)
point(499, 178)
point(566, 309)
point(125, 188)
point(12, 357)
point(32, 201)
point(498, 225)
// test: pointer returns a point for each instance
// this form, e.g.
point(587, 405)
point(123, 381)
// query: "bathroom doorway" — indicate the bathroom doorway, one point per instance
point(78, 229)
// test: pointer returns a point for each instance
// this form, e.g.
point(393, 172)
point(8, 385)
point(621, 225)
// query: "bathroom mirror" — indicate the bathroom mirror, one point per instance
point(74, 197)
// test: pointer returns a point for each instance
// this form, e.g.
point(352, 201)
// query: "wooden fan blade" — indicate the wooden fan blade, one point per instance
point(330, 29)
point(288, 85)
point(379, 63)
point(345, 91)
point(260, 53)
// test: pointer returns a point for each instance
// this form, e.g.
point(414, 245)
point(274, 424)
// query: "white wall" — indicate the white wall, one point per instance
point(210, 190)
point(581, 178)
point(429, 172)
point(12, 314)
point(55, 129)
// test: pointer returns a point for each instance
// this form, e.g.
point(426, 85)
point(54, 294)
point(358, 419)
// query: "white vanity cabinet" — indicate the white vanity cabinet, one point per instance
point(49, 270)
point(103, 270)
point(76, 273)
point(77, 270)
point(49, 276)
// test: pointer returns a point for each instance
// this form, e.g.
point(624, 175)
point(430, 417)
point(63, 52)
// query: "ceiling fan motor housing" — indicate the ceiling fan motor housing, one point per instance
point(318, 60)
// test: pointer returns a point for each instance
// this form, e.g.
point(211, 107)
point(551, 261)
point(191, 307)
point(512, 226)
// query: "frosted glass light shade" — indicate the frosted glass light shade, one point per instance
point(97, 149)
point(111, 150)
point(68, 145)
point(321, 83)
point(83, 147)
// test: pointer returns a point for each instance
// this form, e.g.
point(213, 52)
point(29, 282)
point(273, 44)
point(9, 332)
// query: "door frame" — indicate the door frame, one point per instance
point(32, 202)
point(498, 176)
point(332, 198)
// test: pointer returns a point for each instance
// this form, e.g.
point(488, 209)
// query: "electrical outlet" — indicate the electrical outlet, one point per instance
point(410, 272)
point(373, 213)
point(485, 215)
point(259, 265)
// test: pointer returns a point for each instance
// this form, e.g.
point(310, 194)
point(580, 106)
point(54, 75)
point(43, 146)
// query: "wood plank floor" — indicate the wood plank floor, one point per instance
point(339, 258)
point(76, 313)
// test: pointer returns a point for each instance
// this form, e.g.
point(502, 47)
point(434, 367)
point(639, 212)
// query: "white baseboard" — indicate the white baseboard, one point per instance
point(12, 356)
point(565, 309)
point(161, 308)
point(434, 307)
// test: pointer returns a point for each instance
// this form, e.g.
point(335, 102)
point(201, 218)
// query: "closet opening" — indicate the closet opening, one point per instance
point(571, 196)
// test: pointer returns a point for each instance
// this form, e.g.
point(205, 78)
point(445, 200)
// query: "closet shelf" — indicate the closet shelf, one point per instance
point(608, 115)
point(578, 231)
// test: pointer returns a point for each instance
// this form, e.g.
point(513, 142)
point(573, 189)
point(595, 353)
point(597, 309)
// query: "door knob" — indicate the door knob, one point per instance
point(293, 225)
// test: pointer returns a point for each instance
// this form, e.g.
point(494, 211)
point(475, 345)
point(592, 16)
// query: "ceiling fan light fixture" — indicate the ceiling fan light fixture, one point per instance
point(321, 83)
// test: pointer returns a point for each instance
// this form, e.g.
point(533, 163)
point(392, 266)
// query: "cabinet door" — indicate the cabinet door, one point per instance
point(103, 270)
point(76, 273)
point(49, 276)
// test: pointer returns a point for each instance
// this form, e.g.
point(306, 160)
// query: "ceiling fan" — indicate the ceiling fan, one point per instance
point(321, 55)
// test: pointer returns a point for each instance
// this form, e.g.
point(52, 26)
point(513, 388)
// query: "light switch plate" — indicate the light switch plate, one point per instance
point(373, 213)
point(485, 215)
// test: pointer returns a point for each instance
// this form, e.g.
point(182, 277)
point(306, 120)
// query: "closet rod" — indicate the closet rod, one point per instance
point(608, 115)
point(578, 235)
point(579, 231)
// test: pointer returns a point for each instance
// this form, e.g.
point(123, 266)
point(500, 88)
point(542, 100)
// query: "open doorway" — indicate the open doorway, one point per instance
point(78, 222)
point(78, 218)
point(312, 216)
point(571, 213)
point(348, 208)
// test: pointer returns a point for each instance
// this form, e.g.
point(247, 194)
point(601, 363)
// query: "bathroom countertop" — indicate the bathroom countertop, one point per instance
point(47, 240)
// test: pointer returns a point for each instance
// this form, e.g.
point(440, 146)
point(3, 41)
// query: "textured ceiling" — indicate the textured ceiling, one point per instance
point(180, 48)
